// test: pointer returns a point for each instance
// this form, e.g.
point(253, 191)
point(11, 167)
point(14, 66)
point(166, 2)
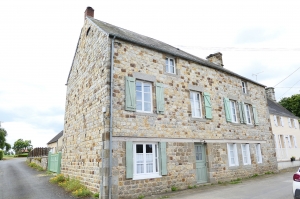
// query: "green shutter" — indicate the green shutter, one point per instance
point(49, 161)
point(255, 115)
point(129, 160)
point(58, 162)
point(163, 158)
point(207, 103)
point(160, 101)
point(242, 112)
point(130, 94)
point(227, 109)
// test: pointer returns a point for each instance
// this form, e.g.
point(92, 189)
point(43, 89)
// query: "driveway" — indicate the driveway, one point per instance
point(275, 186)
point(18, 181)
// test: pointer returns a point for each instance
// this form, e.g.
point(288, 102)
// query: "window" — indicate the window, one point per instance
point(233, 111)
point(195, 98)
point(170, 65)
point(290, 123)
point(145, 160)
point(244, 87)
point(295, 123)
point(246, 154)
point(275, 120)
point(232, 155)
point(280, 120)
point(258, 153)
point(247, 114)
point(143, 96)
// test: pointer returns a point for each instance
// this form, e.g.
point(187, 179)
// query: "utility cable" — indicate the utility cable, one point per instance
point(287, 77)
point(289, 89)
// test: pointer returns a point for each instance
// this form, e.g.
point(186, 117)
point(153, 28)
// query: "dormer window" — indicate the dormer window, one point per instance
point(170, 65)
point(244, 87)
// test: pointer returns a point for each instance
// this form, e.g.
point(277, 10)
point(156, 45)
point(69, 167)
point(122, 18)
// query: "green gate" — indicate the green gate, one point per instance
point(54, 161)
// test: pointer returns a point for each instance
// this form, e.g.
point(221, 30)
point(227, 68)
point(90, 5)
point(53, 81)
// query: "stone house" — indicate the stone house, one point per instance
point(56, 143)
point(143, 116)
point(285, 127)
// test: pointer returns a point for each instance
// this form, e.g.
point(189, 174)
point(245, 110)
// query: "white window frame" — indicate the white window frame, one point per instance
point(246, 154)
point(248, 114)
point(295, 123)
point(258, 153)
point(143, 100)
point(232, 155)
point(244, 87)
point(281, 121)
point(275, 120)
point(290, 122)
point(169, 67)
point(193, 101)
point(155, 161)
point(233, 112)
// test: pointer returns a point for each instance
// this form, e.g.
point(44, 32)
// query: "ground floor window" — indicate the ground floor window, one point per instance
point(258, 153)
point(232, 155)
point(246, 154)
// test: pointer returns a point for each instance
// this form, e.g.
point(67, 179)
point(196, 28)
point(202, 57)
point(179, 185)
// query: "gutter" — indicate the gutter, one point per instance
point(111, 117)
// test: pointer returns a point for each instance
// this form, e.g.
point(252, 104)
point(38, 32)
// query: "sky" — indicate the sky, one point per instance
point(259, 39)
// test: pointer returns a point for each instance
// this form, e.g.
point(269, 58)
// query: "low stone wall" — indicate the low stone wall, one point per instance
point(288, 164)
point(41, 161)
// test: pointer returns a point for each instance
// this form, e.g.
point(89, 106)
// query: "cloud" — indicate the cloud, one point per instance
point(256, 35)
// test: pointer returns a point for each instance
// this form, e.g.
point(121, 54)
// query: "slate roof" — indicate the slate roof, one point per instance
point(276, 109)
point(56, 137)
point(151, 43)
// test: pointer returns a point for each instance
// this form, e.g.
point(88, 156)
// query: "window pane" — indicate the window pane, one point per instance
point(146, 88)
point(139, 148)
point(138, 86)
point(139, 105)
point(147, 97)
point(148, 148)
point(171, 62)
point(138, 95)
point(147, 106)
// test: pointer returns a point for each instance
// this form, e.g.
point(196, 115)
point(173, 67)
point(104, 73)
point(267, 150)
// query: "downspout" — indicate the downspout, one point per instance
point(111, 116)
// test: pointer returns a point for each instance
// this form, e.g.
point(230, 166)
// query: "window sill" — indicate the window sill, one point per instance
point(142, 177)
point(235, 123)
point(233, 167)
point(171, 74)
point(198, 119)
point(145, 114)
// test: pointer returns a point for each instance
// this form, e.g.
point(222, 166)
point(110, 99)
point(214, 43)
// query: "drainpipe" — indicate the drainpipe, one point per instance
point(111, 116)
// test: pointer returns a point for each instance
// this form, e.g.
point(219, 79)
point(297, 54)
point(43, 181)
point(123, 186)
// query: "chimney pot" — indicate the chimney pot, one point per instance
point(89, 12)
point(215, 58)
point(270, 93)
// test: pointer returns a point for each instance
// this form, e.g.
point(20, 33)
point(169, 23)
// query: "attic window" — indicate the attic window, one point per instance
point(87, 32)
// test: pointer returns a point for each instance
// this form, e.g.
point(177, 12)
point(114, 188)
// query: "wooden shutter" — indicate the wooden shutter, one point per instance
point(160, 101)
point(207, 103)
point(255, 115)
point(163, 158)
point(130, 101)
point(295, 123)
point(275, 120)
point(295, 142)
point(281, 121)
point(227, 109)
point(276, 141)
point(289, 121)
point(241, 110)
point(129, 160)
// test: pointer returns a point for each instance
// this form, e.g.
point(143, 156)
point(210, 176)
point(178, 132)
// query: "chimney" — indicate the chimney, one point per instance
point(270, 93)
point(215, 58)
point(89, 12)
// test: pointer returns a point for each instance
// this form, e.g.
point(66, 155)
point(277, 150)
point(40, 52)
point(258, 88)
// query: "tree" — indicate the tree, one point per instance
point(22, 145)
point(3, 134)
point(292, 104)
point(7, 147)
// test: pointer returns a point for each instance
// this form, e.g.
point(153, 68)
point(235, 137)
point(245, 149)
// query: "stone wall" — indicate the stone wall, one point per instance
point(41, 161)
point(87, 94)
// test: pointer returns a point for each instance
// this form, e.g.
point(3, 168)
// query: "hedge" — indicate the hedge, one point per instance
point(1, 154)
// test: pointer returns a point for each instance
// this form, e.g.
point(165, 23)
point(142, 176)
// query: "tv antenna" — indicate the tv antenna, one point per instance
point(257, 74)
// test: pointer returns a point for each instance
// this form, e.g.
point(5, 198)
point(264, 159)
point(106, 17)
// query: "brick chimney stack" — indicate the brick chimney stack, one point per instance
point(270, 93)
point(215, 58)
point(89, 12)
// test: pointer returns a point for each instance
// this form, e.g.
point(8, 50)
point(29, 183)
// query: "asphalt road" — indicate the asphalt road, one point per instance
point(18, 181)
point(275, 186)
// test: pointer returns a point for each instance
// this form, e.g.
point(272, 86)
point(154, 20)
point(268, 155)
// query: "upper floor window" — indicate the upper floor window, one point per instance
point(195, 98)
point(248, 114)
point(170, 65)
point(233, 111)
point(143, 96)
point(244, 87)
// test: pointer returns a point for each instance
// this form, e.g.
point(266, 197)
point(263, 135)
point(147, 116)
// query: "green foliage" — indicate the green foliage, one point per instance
point(35, 166)
point(236, 181)
point(3, 134)
point(292, 104)
point(22, 145)
point(141, 196)
point(1, 154)
point(254, 175)
point(96, 195)
point(190, 187)
point(71, 185)
point(173, 188)
point(23, 155)
point(269, 172)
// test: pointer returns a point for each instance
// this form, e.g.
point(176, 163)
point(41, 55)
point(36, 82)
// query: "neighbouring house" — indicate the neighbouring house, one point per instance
point(143, 116)
point(56, 143)
point(285, 127)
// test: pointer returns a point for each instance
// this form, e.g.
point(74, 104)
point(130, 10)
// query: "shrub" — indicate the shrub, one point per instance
point(1, 154)
point(58, 179)
point(173, 188)
point(23, 155)
point(96, 195)
point(35, 166)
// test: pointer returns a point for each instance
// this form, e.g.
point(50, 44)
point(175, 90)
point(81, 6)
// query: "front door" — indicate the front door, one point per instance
point(201, 171)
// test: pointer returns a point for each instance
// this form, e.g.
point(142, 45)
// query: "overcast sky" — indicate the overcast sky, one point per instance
point(38, 41)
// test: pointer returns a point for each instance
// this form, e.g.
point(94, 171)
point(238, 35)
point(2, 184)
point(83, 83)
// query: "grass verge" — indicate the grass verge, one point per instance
point(35, 166)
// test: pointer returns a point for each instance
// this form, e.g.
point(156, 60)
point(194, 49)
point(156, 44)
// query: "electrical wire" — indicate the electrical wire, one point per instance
point(287, 77)
point(289, 89)
point(237, 49)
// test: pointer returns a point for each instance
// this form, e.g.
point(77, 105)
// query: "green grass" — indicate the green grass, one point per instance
point(269, 172)
point(141, 197)
point(8, 157)
point(236, 181)
point(35, 166)
point(173, 188)
point(71, 185)
point(254, 175)
point(96, 195)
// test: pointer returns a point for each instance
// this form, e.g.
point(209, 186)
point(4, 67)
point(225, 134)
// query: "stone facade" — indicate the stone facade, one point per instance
point(41, 161)
point(86, 133)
